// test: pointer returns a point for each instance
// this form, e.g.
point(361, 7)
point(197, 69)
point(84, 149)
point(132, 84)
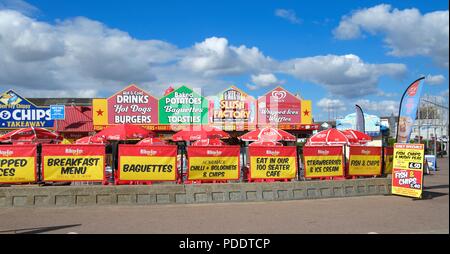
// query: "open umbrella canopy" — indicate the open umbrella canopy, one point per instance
point(5, 138)
point(209, 142)
point(152, 142)
point(125, 132)
point(266, 143)
point(31, 136)
point(355, 136)
point(328, 137)
point(91, 140)
point(268, 134)
point(192, 133)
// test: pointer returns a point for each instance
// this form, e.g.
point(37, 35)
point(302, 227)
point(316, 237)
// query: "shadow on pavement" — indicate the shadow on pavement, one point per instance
point(38, 230)
point(443, 186)
point(427, 195)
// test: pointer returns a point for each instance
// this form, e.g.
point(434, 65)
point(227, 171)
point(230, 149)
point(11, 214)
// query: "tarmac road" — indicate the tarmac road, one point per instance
point(360, 215)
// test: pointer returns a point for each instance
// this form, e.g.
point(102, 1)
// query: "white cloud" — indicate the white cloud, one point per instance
point(345, 75)
point(329, 105)
point(24, 40)
point(435, 80)
point(73, 55)
point(289, 15)
point(215, 57)
point(18, 5)
point(382, 93)
point(251, 87)
point(407, 32)
point(381, 108)
point(265, 80)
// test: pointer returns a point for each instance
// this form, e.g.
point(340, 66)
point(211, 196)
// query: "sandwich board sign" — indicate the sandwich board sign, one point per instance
point(407, 171)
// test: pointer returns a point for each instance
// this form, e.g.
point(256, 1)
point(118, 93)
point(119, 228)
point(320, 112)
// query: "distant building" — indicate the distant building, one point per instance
point(432, 119)
point(390, 125)
point(61, 101)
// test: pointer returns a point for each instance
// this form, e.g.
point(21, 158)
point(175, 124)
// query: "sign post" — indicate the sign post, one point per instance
point(431, 160)
point(57, 112)
point(407, 172)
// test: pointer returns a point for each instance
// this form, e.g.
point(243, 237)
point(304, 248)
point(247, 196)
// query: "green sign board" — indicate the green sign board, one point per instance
point(183, 106)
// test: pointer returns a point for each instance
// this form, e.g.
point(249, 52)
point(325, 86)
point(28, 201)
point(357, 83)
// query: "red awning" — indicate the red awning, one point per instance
point(77, 119)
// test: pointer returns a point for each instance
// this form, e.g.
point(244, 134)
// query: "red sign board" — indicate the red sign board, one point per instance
point(132, 106)
point(279, 107)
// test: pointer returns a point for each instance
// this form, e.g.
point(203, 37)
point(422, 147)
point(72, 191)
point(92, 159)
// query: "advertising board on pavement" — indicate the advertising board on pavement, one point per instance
point(407, 172)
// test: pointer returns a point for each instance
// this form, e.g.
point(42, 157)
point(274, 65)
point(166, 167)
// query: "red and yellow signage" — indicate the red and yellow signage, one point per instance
point(132, 105)
point(18, 164)
point(281, 108)
point(147, 163)
point(364, 161)
point(73, 163)
point(213, 163)
point(323, 161)
point(273, 162)
point(388, 159)
point(233, 110)
point(407, 172)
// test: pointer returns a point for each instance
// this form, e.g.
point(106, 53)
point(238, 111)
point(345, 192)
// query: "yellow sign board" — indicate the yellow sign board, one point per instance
point(74, 168)
point(407, 173)
point(145, 168)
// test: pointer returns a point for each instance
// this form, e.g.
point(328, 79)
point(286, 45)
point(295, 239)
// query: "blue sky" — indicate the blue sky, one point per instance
point(335, 53)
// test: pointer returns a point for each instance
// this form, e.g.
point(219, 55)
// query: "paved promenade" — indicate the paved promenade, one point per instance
point(361, 215)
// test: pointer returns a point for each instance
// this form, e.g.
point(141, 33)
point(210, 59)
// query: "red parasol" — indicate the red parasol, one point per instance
point(209, 142)
point(92, 140)
point(152, 142)
point(266, 143)
point(125, 132)
point(328, 137)
point(268, 134)
point(192, 133)
point(31, 136)
point(355, 136)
